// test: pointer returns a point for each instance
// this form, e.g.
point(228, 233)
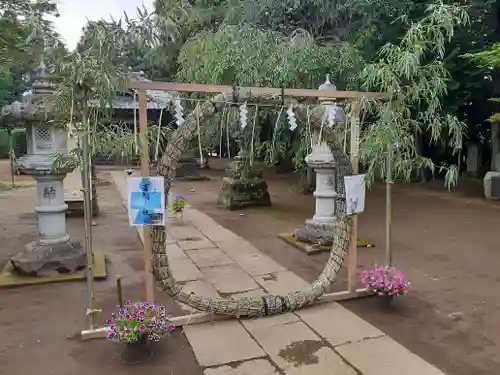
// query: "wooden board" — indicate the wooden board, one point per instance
point(256, 91)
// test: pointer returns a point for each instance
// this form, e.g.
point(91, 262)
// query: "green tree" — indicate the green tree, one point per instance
point(414, 73)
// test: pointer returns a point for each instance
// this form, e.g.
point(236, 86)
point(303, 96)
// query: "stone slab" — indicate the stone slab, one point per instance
point(184, 270)
point(198, 218)
point(221, 343)
point(174, 252)
point(296, 349)
point(237, 246)
point(282, 283)
point(257, 264)
point(384, 356)
point(229, 279)
point(253, 367)
point(337, 325)
point(185, 232)
point(195, 245)
point(215, 232)
point(209, 257)
point(263, 323)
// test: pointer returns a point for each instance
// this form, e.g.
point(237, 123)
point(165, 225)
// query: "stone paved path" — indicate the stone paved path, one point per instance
point(323, 339)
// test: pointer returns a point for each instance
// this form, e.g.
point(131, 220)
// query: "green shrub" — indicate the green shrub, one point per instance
point(18, 143)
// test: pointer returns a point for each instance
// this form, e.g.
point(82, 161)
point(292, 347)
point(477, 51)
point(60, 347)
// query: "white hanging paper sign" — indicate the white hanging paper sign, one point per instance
point(243, 115)
point(146, 201)
point(292, 120)
point(179, 112)
point(331, 113)
point(355, 190)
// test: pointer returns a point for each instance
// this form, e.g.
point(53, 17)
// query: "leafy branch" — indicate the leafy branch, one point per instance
point(413, 73)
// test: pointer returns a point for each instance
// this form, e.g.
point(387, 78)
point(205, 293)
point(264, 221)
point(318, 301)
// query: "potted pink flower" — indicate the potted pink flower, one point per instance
point(136, 324)
point(385, 281)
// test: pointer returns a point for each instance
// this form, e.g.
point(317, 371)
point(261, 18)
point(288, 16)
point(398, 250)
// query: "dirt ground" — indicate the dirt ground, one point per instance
point(39, 325)
point(444, 242)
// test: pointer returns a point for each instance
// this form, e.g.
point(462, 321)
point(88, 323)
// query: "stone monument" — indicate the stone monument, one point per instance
point(491, 181)
point(244, 185)
point(188, 166)
point(53, 252)
point(320, 228)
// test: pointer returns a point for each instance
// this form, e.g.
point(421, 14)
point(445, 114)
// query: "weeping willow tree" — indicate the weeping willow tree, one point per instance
point(414, 74)
point(246, 55)
point(269, 44)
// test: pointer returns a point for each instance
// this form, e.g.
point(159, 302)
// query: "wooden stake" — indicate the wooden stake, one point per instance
point(147, 232)
point(354, 154)
point(205, 317)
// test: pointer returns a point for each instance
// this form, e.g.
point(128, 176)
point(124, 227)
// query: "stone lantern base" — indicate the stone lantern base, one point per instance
point(315, 233)
point(39, 259)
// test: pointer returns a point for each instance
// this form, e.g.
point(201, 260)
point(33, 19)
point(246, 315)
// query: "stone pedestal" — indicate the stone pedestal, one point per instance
point(491, 185)
point(53, 252)
point(320, 228)
point(243, 186)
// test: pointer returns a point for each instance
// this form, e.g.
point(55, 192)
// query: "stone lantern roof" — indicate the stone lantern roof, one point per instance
point(34, 101)
point(326, 103)
point(327, 86)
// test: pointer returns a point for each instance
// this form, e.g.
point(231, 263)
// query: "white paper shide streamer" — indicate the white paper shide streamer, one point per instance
point(243, 115)
point(179, 112)
point(292, 120)
point(330, 114)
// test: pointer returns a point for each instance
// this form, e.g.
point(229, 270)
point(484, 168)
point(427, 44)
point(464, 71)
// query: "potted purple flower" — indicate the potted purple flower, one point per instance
point(178, 206)
point(137, 324)
point(385, 281)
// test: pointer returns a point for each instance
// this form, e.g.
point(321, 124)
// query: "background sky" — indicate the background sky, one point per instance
point(75, 13)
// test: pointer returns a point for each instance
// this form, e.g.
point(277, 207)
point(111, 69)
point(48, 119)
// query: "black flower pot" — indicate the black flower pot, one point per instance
point(386, 301)
point(137, 352)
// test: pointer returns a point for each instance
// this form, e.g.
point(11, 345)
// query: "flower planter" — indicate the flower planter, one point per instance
point(135, 326)
point(178, 218)
point(386, 301)
point(138, 351)
point(386, 282)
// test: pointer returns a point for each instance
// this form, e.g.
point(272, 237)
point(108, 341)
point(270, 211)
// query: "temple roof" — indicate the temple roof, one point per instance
point(33, 102)
point(155, 99)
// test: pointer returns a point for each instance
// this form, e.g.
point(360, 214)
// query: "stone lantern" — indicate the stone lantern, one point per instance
point(319, 230)
point(53, 252)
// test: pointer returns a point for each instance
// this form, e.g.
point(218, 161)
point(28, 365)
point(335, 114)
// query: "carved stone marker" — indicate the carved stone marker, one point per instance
point(244, 186)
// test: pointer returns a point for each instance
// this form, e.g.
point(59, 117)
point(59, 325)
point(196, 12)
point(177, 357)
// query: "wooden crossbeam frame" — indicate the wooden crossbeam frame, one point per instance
point(355, 96)
point(256, 91)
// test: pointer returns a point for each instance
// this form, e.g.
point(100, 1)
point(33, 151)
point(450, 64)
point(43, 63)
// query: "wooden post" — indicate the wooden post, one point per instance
point(147, 230)
point(354, 155)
